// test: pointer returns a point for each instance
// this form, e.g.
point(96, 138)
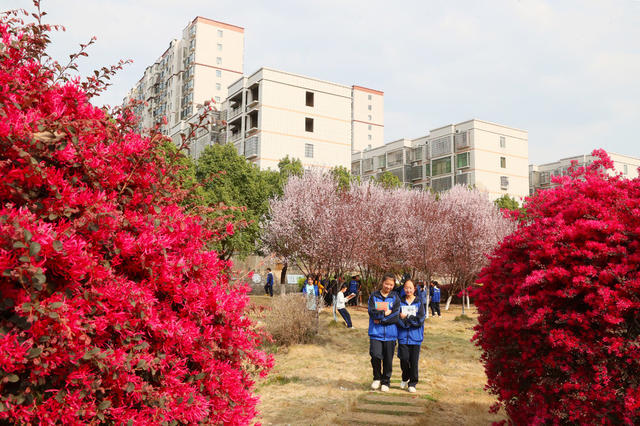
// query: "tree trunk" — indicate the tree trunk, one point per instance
point(283, 278)
point(446, 308)
point(468, 301)
point(426, 308)
point(464, 288)
point(335, 306)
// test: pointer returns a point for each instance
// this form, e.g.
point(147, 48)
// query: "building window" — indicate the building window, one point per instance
point(369, 116)
point(308, 150)
point(219, 47)
point(504, 182)
point(219, 33)
point(369, 107)
point(462, 160)
point(218, 73)
point(626, 169)
point(219, 60)
point(503, 142)
point(369, 137)
point(309, 99)
point(308, 124)
point(218, 86)
point(441, 166)
point(218, 99)
point(427, 170)
point(441, 146)
point(503, 162)
point(369, 97)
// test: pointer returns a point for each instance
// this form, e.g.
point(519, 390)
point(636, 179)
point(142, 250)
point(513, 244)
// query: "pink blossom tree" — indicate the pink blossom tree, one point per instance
point(471, 227)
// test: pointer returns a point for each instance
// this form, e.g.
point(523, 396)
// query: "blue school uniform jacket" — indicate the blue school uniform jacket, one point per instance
point(411, 328)
point(385, 330)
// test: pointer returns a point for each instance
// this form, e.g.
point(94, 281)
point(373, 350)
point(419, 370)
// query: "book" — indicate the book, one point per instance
point(382, 306)
point(409, 310)
point(351, 296)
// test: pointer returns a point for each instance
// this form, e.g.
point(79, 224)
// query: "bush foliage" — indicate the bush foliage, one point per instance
point(111, 308)
point(560, 305)
point(288, 320)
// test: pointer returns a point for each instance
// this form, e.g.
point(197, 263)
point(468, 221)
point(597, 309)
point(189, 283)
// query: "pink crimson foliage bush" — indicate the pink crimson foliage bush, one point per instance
point(560, 305)
point(112, 310)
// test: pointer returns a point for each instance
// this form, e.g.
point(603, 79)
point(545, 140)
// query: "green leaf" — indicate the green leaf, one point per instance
point(24, 259)
point(60, 396)
point(53, 315)
point(13, 378)
point(27, 235)
point(57, 246)
point(104, 405)
point(34, 352)
point(157, 209)
point(130, 387)
point(19, 244)
point(34, 248)
point(55, 305)
point(130, 422)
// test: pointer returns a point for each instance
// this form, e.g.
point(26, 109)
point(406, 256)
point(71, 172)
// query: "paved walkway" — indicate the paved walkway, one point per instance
point(396, 407)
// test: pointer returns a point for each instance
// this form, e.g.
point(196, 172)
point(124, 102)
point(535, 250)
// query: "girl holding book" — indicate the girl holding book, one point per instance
point(410, 334)
point(384, 306)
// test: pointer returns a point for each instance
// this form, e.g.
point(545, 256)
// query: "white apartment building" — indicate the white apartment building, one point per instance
point(271, 114)
point(488, 156)
point(540, 175)
point(195, 68)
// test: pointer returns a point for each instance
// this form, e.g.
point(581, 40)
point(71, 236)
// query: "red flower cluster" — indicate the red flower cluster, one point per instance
point(560, 305)
point(112, 310)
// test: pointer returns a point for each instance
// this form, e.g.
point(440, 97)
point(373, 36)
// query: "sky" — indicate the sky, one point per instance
point(567, 71)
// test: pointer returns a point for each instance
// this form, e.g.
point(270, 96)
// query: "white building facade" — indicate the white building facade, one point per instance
point(196, 68)
point(540, 175)
point(490, 157)
point(271, 114)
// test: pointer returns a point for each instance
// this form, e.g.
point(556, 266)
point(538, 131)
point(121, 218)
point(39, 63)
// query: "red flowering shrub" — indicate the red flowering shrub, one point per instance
point(111, 308)
point(560, 305)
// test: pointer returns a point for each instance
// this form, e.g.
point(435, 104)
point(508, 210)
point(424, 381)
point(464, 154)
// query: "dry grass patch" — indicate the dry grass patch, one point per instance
point(319, 382)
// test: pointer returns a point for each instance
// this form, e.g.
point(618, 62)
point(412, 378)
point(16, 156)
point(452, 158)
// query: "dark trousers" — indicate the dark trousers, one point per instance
point(382, 353)
point(268, 289)
point(345, 315)
point(409, 356)
point(435, 308)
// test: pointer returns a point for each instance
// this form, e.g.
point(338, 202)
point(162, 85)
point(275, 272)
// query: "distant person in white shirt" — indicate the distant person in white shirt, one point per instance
point(341, 304)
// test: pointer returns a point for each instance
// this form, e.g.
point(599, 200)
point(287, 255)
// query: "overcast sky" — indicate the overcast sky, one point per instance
point(567, 71)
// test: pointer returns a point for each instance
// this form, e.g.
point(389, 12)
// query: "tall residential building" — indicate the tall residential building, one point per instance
point(271, 114)
point(540, 175)
point(488, 156)
point(195, 68)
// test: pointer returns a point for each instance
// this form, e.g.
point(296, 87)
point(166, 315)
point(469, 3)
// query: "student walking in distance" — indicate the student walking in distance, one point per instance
point(434, 294)
point(341, 305)
point(384, 306)
point(268, 287)
point(410, 334)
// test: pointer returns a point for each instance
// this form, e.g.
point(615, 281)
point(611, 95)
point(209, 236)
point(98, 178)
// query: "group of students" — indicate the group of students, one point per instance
point(397, 315)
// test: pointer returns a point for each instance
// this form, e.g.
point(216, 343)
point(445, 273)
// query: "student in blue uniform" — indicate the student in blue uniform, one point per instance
point(268, 287)
point(434, 294)
point(410, 335)
point(384, 306)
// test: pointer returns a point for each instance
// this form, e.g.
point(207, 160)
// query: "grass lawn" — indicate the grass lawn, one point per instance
point(317, 383)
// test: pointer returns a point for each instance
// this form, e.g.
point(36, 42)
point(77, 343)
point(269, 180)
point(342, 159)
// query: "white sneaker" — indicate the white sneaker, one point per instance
point(412, 389)
point(384, 388)
point(375, 385)
point(404, 385)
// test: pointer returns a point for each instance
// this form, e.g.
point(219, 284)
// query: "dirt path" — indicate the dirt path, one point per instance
point(327, 381)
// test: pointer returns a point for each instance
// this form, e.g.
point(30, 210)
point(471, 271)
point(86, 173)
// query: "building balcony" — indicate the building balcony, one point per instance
point(251, 131)
point(252, 147)
point(253, 104)
point(234, 112)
